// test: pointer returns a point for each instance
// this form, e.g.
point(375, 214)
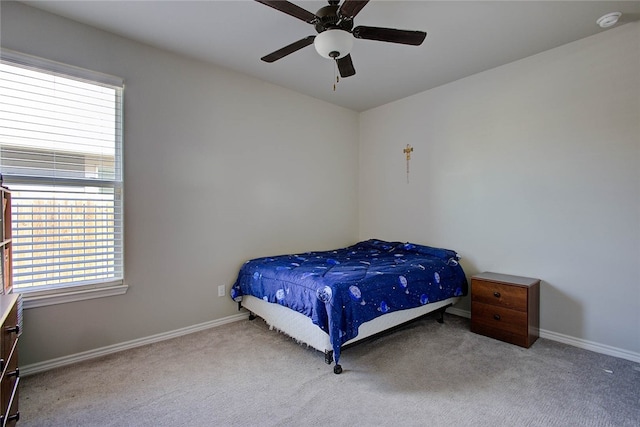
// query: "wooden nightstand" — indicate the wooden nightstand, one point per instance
point(506, 307)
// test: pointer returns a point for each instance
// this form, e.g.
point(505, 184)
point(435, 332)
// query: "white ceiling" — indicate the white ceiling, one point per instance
point(463, 38)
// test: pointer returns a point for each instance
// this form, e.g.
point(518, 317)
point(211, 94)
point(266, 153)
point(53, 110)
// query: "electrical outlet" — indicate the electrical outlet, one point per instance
point(221, 291)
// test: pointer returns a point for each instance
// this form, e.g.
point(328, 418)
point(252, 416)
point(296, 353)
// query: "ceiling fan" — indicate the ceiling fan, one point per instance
point(334, 25)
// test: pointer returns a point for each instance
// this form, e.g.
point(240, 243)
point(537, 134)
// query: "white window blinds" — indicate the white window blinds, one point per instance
point(61, 156)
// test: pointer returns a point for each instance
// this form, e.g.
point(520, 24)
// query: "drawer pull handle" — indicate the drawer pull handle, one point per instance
point(496, 294)
point(15, 329)
point(14, 417)
point(496, 316)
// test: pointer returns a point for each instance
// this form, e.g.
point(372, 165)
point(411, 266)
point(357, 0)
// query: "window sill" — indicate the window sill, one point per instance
point(42, 298)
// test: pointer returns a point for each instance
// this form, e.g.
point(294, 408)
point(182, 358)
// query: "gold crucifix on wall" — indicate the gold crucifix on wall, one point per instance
point(408, 151)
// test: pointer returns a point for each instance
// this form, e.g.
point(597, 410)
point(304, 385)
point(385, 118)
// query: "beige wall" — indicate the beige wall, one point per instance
point(532, 169)
point(219, 168)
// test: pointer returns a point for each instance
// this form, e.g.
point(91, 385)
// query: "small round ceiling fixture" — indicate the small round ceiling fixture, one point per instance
point(609, 20)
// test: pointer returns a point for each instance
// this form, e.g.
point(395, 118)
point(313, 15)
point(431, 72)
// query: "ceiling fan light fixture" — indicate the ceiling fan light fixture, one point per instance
point(609, 20)
point(334, 43)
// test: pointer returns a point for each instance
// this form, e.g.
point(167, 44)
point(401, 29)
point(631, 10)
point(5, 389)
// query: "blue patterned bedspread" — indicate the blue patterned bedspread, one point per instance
point(343, 288)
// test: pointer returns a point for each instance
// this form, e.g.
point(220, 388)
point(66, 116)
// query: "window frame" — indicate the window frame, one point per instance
point(58, 294)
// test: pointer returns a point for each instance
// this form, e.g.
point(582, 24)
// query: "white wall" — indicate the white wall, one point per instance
point(532, 169)
point(219, 167)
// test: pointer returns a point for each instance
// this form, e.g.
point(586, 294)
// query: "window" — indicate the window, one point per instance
point(61, 156)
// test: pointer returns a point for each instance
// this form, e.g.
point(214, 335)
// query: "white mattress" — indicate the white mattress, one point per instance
point(302, 329)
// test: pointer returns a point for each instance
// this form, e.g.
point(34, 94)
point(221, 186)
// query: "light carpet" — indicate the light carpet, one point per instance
point(426, 374)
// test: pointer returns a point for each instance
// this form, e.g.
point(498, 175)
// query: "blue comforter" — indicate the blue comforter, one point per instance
point(341, 289)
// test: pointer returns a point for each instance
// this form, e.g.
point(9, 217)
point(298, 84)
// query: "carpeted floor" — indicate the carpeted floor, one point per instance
point(427, 374)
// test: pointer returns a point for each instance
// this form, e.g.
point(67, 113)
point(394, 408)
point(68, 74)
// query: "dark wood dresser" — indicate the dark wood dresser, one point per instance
point(506, 307)
point(10, 376)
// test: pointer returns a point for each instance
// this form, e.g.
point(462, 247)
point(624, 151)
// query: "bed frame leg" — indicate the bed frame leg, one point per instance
point(441, 311)
point(328, 357)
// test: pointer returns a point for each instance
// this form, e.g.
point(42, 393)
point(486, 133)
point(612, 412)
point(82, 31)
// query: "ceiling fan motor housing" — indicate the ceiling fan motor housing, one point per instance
point(327, 18)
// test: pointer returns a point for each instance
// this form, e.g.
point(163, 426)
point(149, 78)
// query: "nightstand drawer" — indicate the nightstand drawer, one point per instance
point(512, 297)
point(511, 338)
point(498, 318)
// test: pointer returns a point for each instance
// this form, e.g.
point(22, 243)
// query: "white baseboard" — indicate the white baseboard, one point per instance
point(103, 351)
point(590, 345)
point(573, 341)
point(458, 312)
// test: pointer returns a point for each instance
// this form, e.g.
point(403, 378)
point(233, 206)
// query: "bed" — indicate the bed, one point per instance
point(332, 299)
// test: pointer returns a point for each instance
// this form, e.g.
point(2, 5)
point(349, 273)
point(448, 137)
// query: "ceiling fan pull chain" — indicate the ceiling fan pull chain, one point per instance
point(336, 74)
